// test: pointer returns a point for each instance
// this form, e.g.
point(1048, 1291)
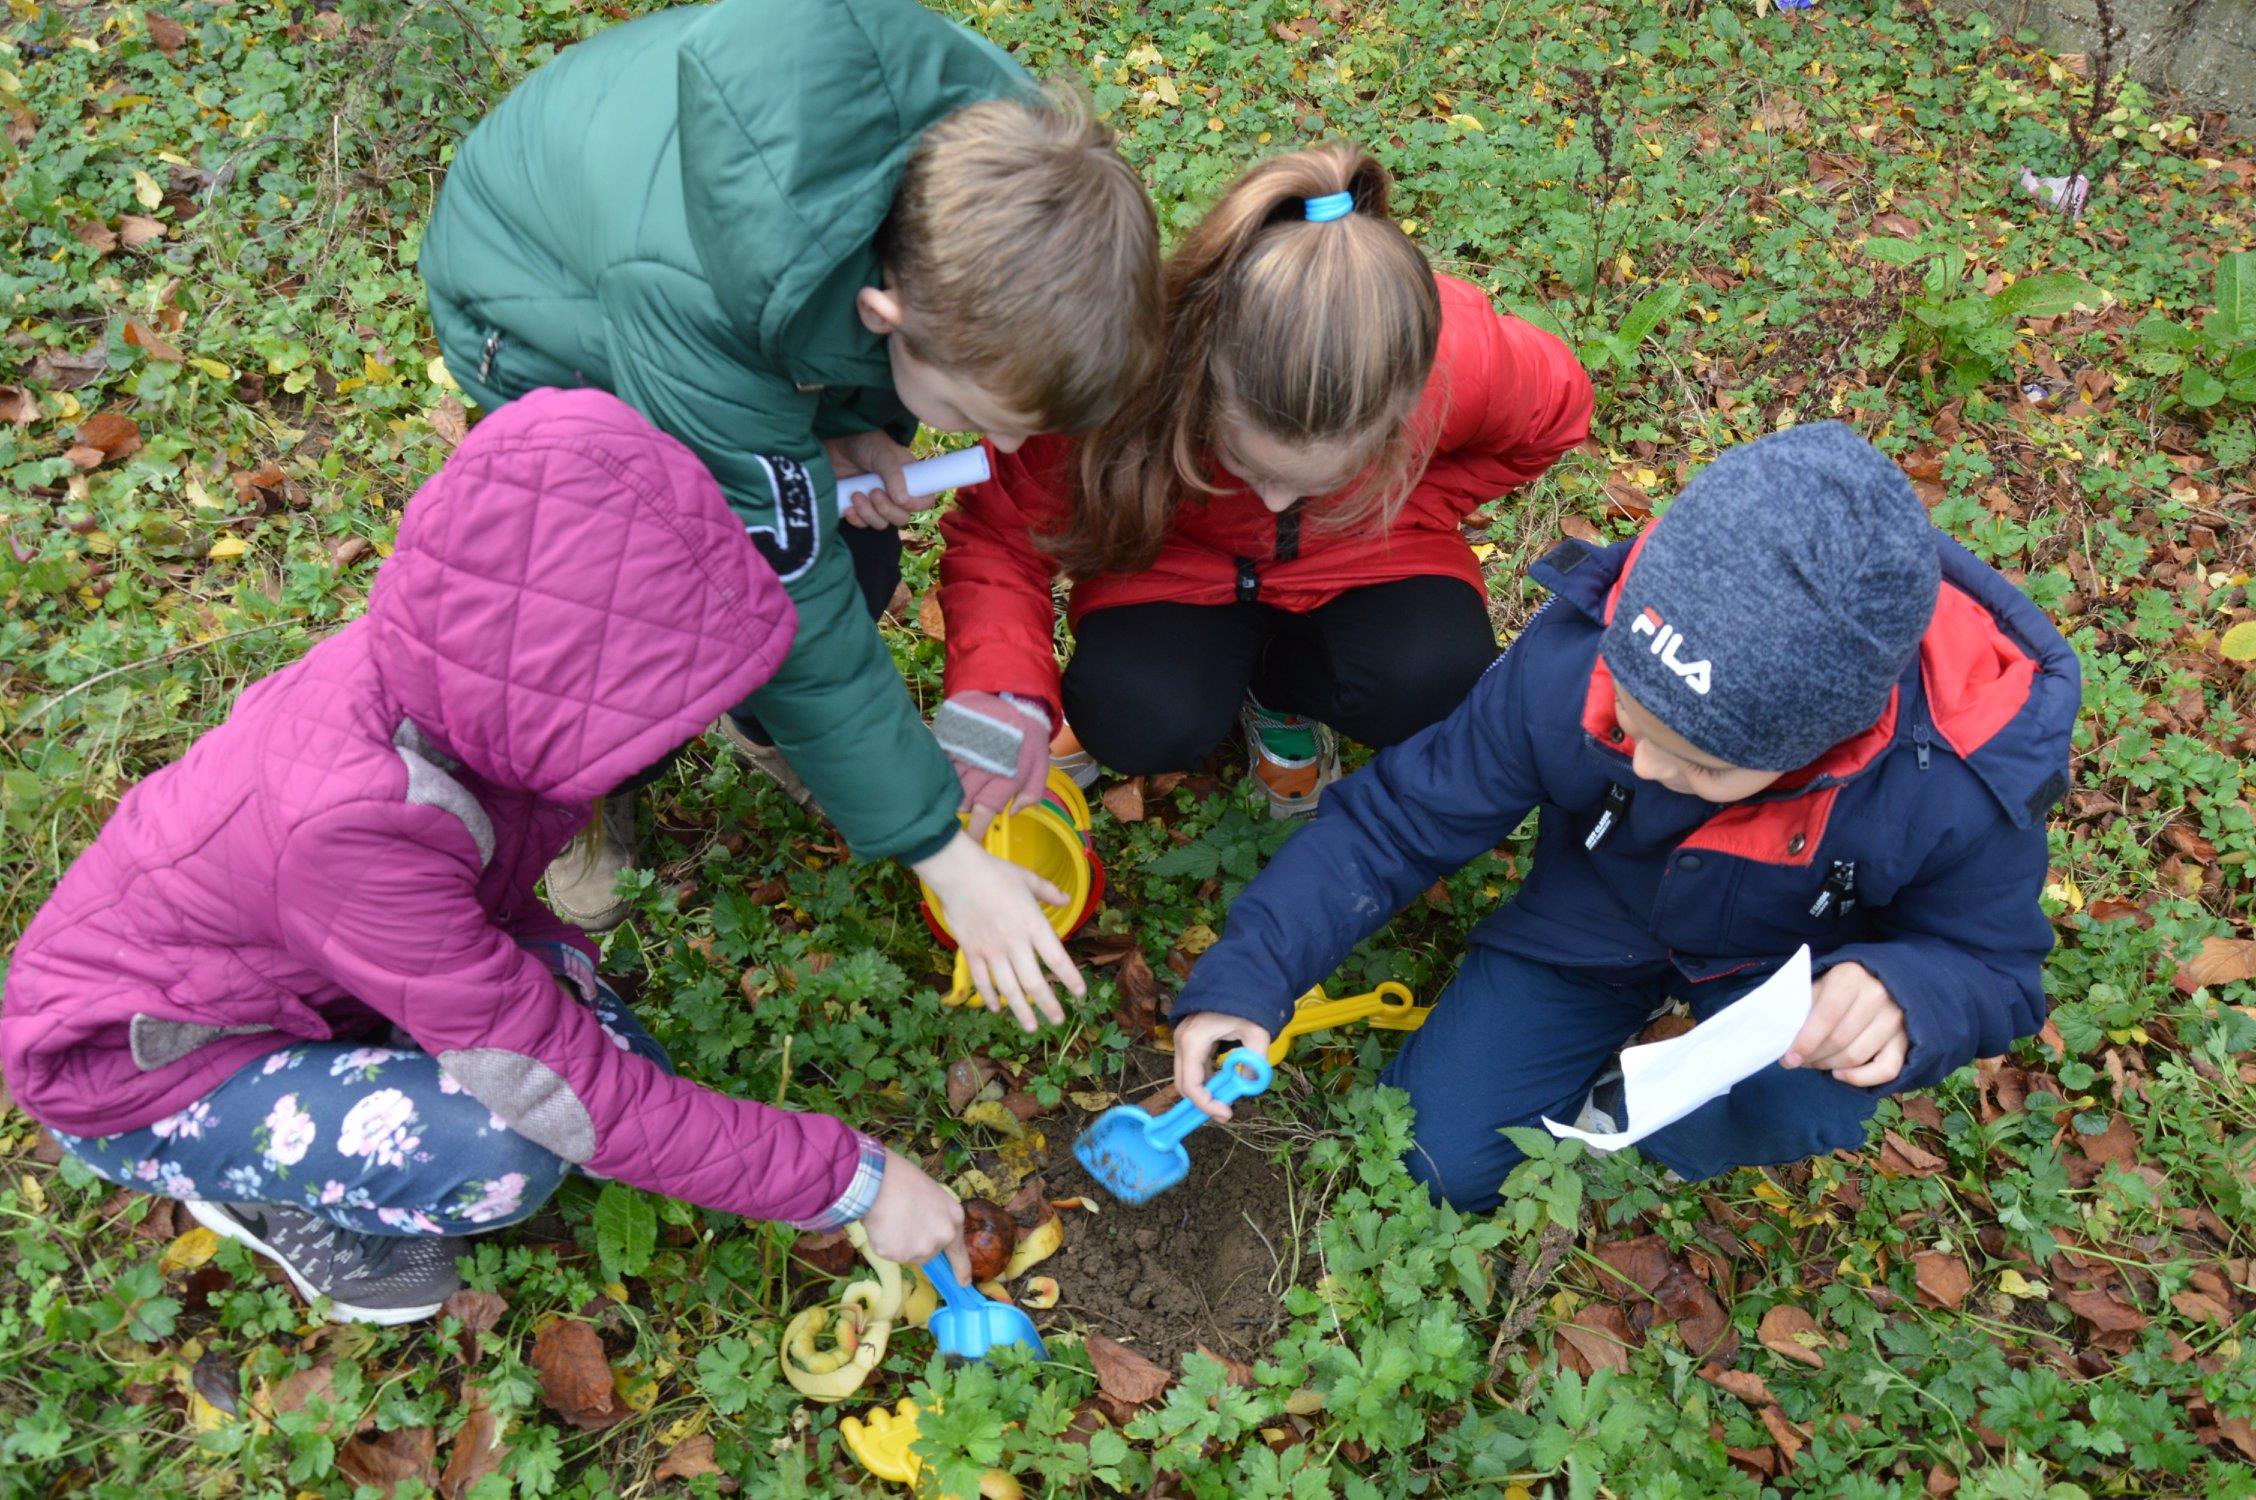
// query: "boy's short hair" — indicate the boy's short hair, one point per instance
point(1026, 257)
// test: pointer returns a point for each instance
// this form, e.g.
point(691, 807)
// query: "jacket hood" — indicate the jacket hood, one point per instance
point(1999, 686)
point(785, 188)
point(570, 598)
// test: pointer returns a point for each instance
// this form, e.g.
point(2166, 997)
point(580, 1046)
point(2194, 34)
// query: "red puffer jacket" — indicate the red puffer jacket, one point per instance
point(1505, 400)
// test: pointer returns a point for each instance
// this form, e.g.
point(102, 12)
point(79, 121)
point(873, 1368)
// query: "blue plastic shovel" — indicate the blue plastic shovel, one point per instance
point(971, 1325)
point(1137, 1155)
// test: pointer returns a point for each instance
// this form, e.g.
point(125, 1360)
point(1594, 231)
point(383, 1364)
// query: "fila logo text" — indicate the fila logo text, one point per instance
point(1666, 639)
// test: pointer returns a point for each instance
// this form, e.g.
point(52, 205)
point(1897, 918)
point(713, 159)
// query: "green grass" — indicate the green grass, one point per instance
point(1742, 220)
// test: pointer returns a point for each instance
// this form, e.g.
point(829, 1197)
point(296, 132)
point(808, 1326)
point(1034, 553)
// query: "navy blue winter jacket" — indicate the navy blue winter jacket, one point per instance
point(1916, 849)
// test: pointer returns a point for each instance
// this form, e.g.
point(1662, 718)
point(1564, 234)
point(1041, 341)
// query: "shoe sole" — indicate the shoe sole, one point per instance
point(224, 1225)
point(752, 755)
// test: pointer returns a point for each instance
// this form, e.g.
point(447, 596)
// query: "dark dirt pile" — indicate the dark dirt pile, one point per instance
point(1205, 1262)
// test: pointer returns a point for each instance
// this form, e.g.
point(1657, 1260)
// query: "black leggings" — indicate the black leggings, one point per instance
point(1155, 687)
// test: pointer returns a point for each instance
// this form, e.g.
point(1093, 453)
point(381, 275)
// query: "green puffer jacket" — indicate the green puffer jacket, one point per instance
point(680, 210)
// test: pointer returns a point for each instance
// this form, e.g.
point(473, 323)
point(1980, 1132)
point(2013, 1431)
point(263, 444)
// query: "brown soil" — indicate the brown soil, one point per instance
point(1205, 1262)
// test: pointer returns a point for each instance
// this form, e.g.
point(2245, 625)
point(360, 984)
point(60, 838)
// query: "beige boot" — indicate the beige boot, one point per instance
point(768, 761)
point(583, 881)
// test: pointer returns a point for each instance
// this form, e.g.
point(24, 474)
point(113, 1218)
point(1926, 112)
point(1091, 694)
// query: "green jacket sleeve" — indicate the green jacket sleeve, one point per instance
point(838, 708)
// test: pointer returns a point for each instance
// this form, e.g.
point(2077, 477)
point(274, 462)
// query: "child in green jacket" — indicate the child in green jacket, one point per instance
point(787, 233)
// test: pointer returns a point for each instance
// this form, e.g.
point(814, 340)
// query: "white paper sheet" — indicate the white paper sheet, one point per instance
point(1662, 1082)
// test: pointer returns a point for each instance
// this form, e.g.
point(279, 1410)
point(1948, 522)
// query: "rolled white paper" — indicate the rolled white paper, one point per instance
point(927, 476)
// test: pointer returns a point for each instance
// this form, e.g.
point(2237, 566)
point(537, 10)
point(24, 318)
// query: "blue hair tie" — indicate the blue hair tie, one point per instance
point(1329, 207)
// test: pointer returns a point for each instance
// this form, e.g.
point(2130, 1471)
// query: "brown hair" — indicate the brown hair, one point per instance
point(1306, 330)
point(1026, 257)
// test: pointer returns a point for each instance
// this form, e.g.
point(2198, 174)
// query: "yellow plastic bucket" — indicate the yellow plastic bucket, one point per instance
point(1050, 839)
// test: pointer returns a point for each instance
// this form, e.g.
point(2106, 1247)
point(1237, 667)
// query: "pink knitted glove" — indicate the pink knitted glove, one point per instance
point(1001, 748)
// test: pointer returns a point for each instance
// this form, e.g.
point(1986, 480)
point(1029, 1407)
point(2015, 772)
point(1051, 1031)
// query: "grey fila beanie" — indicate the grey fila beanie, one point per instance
point(1773, 608)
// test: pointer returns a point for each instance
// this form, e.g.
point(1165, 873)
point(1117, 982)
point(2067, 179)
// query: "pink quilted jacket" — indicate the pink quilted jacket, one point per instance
point(570, 599)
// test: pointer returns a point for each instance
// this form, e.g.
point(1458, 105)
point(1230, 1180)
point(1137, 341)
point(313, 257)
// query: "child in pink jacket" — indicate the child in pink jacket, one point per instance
point(302, 980)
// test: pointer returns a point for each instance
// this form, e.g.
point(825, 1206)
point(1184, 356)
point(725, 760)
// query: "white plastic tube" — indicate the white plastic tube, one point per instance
point(927, 476)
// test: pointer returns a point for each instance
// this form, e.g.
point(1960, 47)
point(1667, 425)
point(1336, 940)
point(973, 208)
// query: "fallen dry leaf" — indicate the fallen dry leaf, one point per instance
point(689, 1458)
point(1745, 1384)
point(830, 1253)
point(1125, 800)
point(165, 33)
point(136, 230)
point(2222, 960)
point(475, 1311)
point(349, 551)
point(389, 1458)
point(1902, 1158)
point(69, 372)
point(112, 434)
point(95, 236)
point(151, 344)
point(575, 1375)
point(1700, 1320)
point(1788, 1437)
point(1644, 1261)
point(478, 1449)
point(1942, 1278)
point(967, 1076)
point(1138, 1010)
point(450, 420)
point(18, 405)
point(2106, 1312)
point(1793, 1334)
point(2118, 1143)
point(1599, 1335)
point(928, 617)
point(1123, 1374)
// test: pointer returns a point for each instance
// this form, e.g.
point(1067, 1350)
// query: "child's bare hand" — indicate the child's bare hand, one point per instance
point(915, 1218)
point(874, 453)
point(995, 914)
point(1196, 1041)
point(1855, 1029)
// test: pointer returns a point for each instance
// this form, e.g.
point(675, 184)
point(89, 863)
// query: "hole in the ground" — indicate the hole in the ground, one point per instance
point(1206, 1262)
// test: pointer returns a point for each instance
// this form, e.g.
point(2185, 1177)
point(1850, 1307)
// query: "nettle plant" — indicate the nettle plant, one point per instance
point(1952, 324)
point(2215, 360)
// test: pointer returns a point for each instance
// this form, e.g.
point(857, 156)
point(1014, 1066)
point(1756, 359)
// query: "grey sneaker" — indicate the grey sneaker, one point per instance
point(368, 1278)
point(768, 761)
point(1294, 758)
point(583, 881)
point(1606, 1111)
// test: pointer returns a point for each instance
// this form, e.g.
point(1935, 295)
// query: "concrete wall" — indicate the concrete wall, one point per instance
point(2204, 49)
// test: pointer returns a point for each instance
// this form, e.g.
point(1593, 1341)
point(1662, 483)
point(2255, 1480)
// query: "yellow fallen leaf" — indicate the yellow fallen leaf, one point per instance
point(1165, 88)
point(2239, 643)
point(188, 1251)
point(990, 1113)
point(227, 547)
point(2067, 893)
point(2014, 1284)
point(212, 367)
point(145, 189)
point(1197, 938)
point(1093, 1100)
point(1483, 551)
point(33, 1193)
point(1467, 122)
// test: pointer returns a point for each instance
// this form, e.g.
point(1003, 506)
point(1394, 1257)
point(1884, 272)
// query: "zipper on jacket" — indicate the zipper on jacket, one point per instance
point(1617, 806)
point(1249, 581)
point(1919, 742)
point(1288, 532)
point(486, 356)
point(1839, 894)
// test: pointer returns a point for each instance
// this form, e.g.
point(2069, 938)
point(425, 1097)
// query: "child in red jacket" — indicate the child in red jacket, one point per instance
point(1272, 526)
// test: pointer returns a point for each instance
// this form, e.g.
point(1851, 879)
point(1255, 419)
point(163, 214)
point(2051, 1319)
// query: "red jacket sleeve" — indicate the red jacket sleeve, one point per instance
point(995, 583)
point(384, 901)
point(1514, 399)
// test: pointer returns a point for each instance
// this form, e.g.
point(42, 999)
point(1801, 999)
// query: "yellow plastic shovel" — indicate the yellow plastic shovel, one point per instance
point(1389, 1007)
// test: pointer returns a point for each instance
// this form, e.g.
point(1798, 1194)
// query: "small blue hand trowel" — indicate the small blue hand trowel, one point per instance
point(970, 1326)
point(1136, 1155)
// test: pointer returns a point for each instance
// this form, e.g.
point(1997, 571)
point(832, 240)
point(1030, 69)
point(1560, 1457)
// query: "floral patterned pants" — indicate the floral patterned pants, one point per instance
point(373, 1137)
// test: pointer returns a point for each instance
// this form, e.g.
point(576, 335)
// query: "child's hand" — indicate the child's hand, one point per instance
point(1195, 1042)
point(1000, 747)
point(1855, 1029)
point(999, 927)
point(874, 453)
point(915, 1218)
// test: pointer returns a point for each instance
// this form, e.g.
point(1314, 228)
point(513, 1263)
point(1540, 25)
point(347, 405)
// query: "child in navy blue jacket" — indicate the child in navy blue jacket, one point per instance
point(1791, 712)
